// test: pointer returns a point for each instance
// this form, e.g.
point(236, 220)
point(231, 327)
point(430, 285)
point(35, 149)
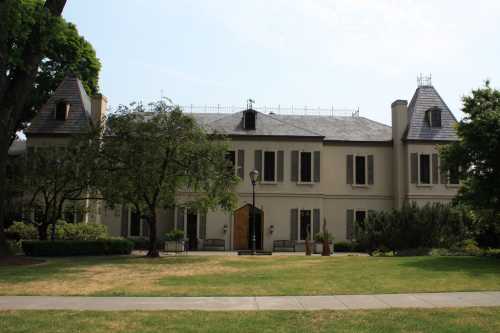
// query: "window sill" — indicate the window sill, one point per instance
point(361, 186)
point(453, 185)
point(424, 185)
point(305, 183)
point(268, 183)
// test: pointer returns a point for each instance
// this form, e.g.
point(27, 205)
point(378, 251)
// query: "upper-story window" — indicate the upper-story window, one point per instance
point(269, 166)
point(424, 169)
point(61, 111)
point(305, 167)
point(360, 170)
point(433, 117)
point(231, 158)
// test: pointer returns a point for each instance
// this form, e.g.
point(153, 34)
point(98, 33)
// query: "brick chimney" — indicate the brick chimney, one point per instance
point(99, 108)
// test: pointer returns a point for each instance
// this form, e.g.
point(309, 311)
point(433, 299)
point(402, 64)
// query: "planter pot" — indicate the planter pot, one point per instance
point(174, 246)
point(318, 247)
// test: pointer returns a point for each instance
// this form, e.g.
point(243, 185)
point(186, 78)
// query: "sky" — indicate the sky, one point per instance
point(314, 53)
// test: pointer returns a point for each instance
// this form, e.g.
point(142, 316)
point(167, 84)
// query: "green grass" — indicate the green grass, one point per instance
point(475, 320)
point(243, 276)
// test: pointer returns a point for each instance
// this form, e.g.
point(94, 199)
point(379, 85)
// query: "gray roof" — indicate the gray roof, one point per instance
point(425, 98)
point(71, 90)
point(328, 128)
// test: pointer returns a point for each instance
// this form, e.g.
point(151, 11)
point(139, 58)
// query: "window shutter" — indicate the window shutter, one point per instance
point(241, 164)
point(203, 226)
point(349, 224)
point(295, 166)
point(258, 163)
point(444, 176)
point(371, 171)
point(170, 212)
point(349, 168)
point(435, 169)
point(281, 167)
point(180, 218)
point(413, 168)
point(124, 224)
point(294, 224)
point(316, 222)
point(317, 166)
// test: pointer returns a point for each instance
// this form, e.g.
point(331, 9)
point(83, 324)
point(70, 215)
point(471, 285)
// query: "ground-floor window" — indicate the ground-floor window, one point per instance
point(135, 228)
point(305, 224)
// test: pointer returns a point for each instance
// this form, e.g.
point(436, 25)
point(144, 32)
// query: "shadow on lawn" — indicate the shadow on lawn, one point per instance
point(470, 265)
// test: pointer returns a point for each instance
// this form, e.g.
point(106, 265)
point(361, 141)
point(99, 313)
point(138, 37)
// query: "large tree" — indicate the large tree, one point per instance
point(476, 156)
point(162, 158)
point(37, 47)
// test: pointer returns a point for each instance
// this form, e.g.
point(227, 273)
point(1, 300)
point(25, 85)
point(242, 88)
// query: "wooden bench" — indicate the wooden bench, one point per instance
point(284, 246)
point(214, 244)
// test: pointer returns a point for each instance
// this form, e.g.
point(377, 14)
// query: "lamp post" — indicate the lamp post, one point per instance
point(254, 174)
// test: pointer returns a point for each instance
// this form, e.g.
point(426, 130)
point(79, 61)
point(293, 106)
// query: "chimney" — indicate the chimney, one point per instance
point(98, 109)
point(399, 110)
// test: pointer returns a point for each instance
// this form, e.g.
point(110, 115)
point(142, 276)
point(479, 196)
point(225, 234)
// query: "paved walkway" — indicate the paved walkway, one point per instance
point(340, 302)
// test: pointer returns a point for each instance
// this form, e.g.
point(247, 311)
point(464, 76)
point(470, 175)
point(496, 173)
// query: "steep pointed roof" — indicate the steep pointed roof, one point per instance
point(70, 90)
point(426, 97)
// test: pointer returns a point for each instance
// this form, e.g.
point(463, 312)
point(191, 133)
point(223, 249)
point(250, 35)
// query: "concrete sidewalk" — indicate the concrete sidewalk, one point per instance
point(308, 303)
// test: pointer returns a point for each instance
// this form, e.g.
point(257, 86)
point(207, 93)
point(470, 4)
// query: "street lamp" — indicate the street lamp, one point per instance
point(254, 174)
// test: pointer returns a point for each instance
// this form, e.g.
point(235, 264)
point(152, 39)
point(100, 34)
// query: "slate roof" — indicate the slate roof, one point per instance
point(427, 97)
point(355, 129)
point(71, 90)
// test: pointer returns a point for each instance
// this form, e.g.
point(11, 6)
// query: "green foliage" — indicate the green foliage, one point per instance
point(60, 248)
point(174, 235)
point(345, 247)
point(20, 230)
point(429, 226)
point(476, 152)
point(80, 231)
point(63, 50)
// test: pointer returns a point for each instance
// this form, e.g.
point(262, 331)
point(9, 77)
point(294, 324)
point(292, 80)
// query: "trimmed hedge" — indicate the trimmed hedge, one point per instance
point(59, 248)
point(346, 247)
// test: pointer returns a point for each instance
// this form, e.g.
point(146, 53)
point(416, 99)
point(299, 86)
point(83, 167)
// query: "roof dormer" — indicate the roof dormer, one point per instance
point(433, 117)
point(61, 110)
point(249, 119)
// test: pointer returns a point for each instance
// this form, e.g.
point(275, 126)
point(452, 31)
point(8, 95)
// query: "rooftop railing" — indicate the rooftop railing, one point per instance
point(280, 110)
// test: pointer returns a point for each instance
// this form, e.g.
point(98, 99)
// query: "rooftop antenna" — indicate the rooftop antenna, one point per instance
point(424, 80)
point(250, 104)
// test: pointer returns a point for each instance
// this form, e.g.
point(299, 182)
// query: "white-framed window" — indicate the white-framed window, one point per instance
point(73, 213)
point(360, 169)
point(269, 166)
point(424, 169)
point(231, 156)
point(305, 167)
point(305, 224)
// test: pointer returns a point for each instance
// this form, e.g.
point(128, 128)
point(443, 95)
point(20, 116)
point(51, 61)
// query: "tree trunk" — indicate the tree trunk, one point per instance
point(153, 246)
point(42, 231)
point(4, 250)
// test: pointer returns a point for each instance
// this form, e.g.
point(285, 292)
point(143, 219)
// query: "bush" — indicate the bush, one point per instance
point(21, 230)
point(492, 253)
point(59, 248)
point(80, 231)
point(174, 235)
point(345, 247)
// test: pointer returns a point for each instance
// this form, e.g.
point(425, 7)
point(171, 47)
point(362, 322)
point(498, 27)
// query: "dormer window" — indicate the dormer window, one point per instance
point(249, 117)
point(433, 117)
point(62, 110)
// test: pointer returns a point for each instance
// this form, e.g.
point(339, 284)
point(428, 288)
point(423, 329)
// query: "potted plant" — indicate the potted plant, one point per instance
point(323, 241)
point(174, 241)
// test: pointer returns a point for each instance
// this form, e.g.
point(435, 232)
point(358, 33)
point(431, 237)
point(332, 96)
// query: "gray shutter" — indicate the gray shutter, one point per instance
point(170, 212)
point(294, 224)
point(349, 224)
point(349, 168)
point(281, 167)
point(316, 221)
point(444, 176)
point(258, 163)
point(241, 164)
point(317, 166)
point(371, 171)
point(124, 231)
point(203, 226)
point(295, 166)
point(435, 169)
point(413, 168)
point(180, 218)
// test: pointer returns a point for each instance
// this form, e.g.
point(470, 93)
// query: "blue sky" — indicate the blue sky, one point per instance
point(347, 54)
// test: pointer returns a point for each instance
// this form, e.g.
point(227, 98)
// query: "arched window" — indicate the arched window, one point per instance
point(433, 117)
point(62, 109)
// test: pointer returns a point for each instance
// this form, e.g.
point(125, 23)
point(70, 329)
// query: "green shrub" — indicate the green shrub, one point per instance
point(21, 230)
point(80, 231)
point(174, 235)
point(492, 253)
point(14, 247)
point(467, 247)
point(60, 248)
point(345, 247)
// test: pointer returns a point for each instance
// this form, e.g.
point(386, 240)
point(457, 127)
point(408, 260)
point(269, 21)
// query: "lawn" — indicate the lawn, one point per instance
point(246, 276)
point(475, 320)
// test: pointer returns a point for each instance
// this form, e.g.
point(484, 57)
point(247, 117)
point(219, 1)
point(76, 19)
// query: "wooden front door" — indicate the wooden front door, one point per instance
point(241, 228)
